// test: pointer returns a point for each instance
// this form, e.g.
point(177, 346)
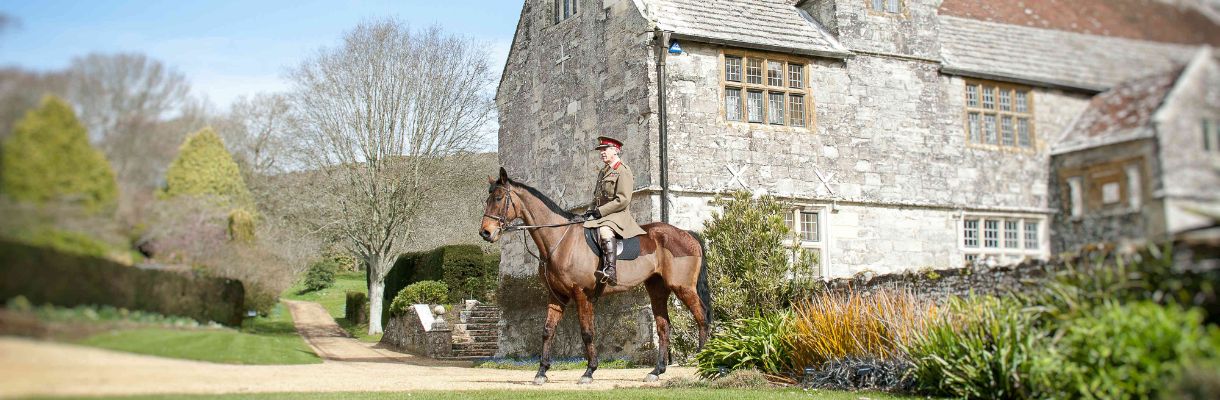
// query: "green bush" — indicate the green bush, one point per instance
point(321, 275)
point(48, 158)
point(757, 342)
point(204, 168)
point(986, 348)
point(46, 276)
point(1198, 381)
point(241, 226)
point(426, 292)
point(356, 307)
point(1128, 351)
point(747, 262)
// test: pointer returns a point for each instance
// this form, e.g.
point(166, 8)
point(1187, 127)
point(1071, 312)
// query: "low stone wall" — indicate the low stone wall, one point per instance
point(623, 323)
point(405, 332)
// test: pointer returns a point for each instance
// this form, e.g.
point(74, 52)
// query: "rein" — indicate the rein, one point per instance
point(508, 227)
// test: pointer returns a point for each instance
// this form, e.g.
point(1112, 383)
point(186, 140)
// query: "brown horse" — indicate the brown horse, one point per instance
point(671, 261)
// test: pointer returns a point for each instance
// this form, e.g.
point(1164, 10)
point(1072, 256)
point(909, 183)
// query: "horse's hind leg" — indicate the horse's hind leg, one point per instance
point(659, 295)
point(585, 312)
point(691, 299)
point(554, 313)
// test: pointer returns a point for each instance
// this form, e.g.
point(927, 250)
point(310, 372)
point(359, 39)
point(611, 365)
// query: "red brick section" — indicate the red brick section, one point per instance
point(1134, 19)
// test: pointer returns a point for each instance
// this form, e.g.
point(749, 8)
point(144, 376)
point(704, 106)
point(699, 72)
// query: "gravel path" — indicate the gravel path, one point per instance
point(37, 368)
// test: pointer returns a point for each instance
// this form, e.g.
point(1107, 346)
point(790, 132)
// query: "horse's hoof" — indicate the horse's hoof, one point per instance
point(651, 378)
point(585, 380)
point(538, 380)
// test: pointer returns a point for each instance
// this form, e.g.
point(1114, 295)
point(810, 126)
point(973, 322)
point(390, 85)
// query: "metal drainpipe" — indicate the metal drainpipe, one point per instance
point(662, 38)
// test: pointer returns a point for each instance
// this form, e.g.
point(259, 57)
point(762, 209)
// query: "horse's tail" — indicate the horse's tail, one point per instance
point(701, 286)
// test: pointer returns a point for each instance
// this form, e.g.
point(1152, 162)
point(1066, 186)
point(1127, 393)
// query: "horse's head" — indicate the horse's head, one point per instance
point(500, 208)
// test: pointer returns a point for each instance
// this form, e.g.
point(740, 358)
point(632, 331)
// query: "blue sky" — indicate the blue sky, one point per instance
point(228, 48)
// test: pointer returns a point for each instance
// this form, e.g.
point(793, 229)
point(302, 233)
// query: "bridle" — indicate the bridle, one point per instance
point(505, 226)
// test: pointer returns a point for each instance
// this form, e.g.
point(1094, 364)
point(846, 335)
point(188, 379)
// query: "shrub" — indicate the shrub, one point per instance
point(986, 348)
point(69, 242)
point(321, 275)
point(48, 158)
point(747, 262)
point(756, 342)
point(426, 292)
point(204, 168)
point(241, 226)
point(1198, 381)
point(855, 373)
point(1128, 351)
point(465, 270)
point(356, 308)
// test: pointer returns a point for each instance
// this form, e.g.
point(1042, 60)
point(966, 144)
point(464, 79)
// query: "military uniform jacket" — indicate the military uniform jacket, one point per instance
point(612, 196)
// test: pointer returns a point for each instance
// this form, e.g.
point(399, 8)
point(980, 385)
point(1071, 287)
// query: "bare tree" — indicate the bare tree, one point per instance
point(381, 115)
point(259, 131)
point(121, 99)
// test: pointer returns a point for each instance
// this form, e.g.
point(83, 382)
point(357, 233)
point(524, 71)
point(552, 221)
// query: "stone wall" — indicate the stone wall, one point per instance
point(1191, 174)
point(1117, 224)
point(406, 333)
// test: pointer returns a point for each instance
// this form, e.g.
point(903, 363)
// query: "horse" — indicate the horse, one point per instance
point(671, 261)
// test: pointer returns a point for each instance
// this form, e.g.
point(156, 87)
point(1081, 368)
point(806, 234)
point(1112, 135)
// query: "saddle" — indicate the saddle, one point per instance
point(628, 249)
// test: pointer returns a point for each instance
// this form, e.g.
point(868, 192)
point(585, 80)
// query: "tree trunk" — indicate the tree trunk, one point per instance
point(376, 292)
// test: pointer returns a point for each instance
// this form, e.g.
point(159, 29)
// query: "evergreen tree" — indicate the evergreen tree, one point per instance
point(49, 158)
point(204, 168)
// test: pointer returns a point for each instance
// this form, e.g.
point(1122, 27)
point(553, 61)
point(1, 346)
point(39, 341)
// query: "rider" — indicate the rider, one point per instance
point(609, 212)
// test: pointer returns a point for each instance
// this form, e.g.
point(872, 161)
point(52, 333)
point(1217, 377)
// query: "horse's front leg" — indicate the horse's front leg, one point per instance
point(585, 311)
point(554, 312)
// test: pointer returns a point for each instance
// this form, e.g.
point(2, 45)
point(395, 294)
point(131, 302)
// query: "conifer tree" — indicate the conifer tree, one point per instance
point(204, 168)
point(49, 158)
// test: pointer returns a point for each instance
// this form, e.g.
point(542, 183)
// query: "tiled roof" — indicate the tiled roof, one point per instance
point(762, 24)
point(1151, 20)
point(1044, 56)
point(1119, 114)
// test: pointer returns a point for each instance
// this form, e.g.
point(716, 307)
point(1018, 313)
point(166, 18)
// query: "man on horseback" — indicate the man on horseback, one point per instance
point(609, 212)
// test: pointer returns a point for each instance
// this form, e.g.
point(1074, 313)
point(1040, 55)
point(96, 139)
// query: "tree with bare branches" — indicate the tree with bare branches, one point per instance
point(384, 117)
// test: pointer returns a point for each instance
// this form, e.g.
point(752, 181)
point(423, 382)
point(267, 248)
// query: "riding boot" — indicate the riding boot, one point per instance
point(609, 256)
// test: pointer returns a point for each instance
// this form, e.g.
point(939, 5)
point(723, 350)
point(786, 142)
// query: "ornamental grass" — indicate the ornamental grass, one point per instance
point(832, 326)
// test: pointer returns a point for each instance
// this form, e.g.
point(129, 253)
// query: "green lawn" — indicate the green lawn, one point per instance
point(617, 394)
point(262, 340)
point(334, 299)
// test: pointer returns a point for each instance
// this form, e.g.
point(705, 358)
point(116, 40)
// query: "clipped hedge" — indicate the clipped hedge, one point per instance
point(46, 276)
point(464, 269)
point(356, 308)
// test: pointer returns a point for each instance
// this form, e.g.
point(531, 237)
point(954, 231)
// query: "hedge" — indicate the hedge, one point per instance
point(459, 266)
point(46, 276)
point(356, 308)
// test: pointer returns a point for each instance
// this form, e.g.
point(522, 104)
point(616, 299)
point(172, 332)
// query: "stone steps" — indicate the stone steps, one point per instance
point(482, 328)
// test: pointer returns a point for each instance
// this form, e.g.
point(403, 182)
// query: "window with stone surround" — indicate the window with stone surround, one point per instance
point(999, 115)
point(766, 89)
point(1106, 187)
point(1000, 238)
point(565, 9)
point(805, 224)
point(885, 6)
point(1211, 136)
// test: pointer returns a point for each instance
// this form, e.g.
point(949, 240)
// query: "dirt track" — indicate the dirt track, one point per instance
point(30, 367)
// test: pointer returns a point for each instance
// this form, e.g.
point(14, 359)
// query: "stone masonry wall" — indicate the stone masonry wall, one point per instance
point(565, 84)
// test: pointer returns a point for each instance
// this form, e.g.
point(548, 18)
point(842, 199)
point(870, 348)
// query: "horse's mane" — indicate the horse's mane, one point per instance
point(545, 200)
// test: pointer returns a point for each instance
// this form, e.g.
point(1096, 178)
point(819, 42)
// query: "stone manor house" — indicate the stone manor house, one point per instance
point(907, 133)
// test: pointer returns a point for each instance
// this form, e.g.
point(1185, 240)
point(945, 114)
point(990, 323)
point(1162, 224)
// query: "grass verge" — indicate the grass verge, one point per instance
point(263, 340)
point(334, 299)
point(618, 394)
